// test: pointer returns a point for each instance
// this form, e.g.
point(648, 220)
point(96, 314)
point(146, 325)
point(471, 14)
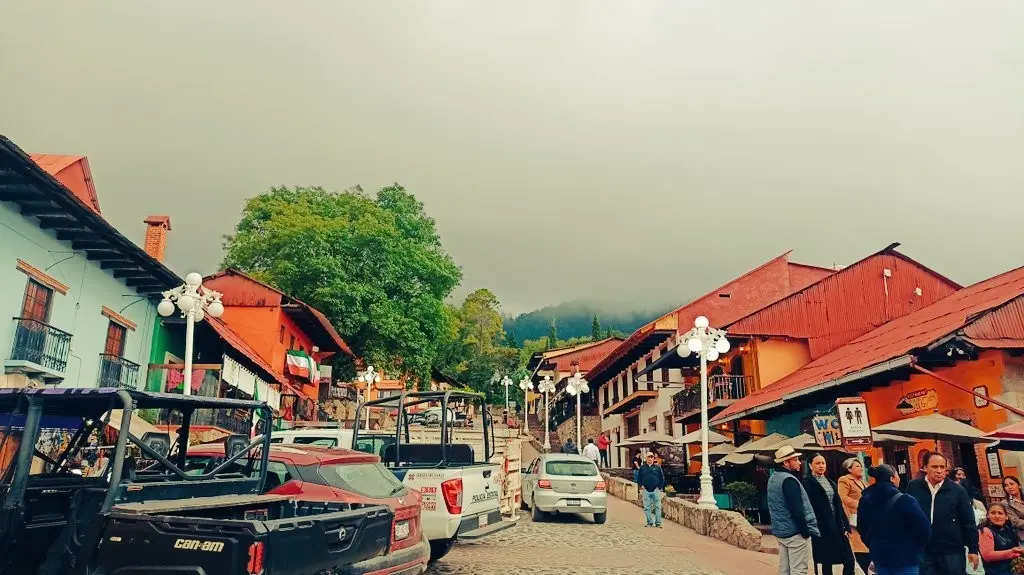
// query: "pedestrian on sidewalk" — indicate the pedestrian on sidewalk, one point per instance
point(652, 487)
point(591, 452)
point(851, 487)
point(793, 521)
point(1014, 503)
point(951, 514)
point(832, 547)
point(998, 542)
point(570, 447)
point(602, 446)
point(892, 525)
point(638, 462)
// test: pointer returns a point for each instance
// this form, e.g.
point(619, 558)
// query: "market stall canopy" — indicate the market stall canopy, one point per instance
point(1012, 431)
point(934, 426)
point(717, 452)
point(650, 438)
point(802, 442)
point(744, 454)
point(695, 437)
point(883, 439)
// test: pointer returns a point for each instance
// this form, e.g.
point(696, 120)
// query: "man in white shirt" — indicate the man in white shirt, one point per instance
point(591, 452)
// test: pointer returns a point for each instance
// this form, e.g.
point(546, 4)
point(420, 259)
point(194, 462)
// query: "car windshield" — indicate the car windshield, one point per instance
point(368, 479)
point(316, 441)
point(570, 468)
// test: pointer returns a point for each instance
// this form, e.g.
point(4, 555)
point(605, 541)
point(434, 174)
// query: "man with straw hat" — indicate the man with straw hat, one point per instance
point(793, 521)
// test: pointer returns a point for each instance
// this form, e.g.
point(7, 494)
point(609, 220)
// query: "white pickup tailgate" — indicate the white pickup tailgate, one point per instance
point(481, 499)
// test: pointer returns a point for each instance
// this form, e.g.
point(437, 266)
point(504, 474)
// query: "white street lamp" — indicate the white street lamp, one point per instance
point(577, 386)
point(507, 382)
point(708, 343)
point(547, 387)
point(369, 377)
point(527, 386)
point(195, 302)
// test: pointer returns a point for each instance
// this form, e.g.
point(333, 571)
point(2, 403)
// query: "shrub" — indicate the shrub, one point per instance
point(744, 495)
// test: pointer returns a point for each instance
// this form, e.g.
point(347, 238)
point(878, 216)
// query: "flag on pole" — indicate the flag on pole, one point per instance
point(300, 365)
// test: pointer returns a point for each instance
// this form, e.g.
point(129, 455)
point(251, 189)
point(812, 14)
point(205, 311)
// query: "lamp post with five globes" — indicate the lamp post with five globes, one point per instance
point(708, 343)
point(577, 386)
point(546, 386)
point(195, 302)
point(527, 386)
point(369, 377)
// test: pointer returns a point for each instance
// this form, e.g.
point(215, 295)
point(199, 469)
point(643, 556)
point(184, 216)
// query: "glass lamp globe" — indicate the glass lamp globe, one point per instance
point(199, 315)
point(215, 309)
point(165, 308)
point(694, 344)
point(193, 279)
point(701, 322)
point(722, 345)
point(186, 302)
point(713, 355)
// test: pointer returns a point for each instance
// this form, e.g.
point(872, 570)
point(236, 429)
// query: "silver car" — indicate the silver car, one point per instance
point(563, 483)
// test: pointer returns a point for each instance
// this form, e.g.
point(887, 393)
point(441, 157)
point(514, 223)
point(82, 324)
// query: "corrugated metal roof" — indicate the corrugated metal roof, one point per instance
point(1005, 323)
point(74, 173)
point(893, 340)
point(849, 303)
point(238, 344)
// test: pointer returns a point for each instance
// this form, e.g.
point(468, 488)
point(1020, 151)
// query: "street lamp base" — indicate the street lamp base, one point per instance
point(547, 445)
point(707, 493)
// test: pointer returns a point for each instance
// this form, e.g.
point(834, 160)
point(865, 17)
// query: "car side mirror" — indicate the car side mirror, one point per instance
point(235, 444)
point(524, 470)
point(158, 442)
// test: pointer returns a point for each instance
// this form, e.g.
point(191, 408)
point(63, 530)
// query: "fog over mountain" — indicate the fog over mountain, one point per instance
point(575, 318)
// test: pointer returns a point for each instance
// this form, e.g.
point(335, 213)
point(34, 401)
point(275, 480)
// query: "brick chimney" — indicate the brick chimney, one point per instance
point(156, 236)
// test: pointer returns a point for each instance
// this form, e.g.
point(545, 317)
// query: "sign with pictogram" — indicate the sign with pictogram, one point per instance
point(826, 431)
point(854, 423)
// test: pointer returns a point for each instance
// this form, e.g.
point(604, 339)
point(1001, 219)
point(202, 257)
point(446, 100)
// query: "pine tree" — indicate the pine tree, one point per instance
point(595, 329)
point(510, 339)
point(552, 335)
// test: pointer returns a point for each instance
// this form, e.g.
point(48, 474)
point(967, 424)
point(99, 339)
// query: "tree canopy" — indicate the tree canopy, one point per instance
point(374, 264)
point(476, 352)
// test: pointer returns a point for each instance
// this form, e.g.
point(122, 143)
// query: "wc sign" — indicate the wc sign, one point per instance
point(826, 431)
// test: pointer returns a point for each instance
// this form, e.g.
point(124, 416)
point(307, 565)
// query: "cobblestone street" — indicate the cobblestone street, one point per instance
point(570, 545)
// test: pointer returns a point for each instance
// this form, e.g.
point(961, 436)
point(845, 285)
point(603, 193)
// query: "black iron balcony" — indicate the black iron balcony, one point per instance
point(722, 391)
point(41, 344)
point(235, 421)
point(116, 371)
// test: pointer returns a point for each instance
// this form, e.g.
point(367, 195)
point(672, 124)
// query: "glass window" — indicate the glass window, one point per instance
point(116, 335)
point(317, 441)
point(36, 304)
point(368, 479)
point(570, 468)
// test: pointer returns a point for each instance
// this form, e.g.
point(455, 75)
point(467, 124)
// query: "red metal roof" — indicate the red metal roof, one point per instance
point(74, 173)
point(849, 303)
point(896, 339)
point(238, 344)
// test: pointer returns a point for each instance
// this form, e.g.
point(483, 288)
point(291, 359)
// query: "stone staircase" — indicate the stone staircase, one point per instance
point(537, 432)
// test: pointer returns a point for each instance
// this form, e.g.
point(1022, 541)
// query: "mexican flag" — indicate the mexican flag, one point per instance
point(301, 365)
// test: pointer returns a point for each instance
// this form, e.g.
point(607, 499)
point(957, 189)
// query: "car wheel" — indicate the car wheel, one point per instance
point(600, 518)
point(522, 503)
point(537, 515)
point(439, 549)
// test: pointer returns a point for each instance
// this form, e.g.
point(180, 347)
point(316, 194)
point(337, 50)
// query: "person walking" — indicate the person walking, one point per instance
point(1014, 504)
point(951, 514)
point(570, 447)
point(602, 445)
point(591, 452)
point(652, 485)
point(792, 517)
point(832, 546)
point(998, 542)
point(892, 525)
point(851, 487)
point(638, 462)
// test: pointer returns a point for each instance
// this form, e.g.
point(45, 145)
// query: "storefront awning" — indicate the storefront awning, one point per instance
point(934, 426)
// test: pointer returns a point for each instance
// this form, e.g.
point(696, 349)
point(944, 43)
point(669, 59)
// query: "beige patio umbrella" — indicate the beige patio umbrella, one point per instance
point(649, 439)
point(695, 437)
point(717, 452)
point(934, 426)
point(744, 454)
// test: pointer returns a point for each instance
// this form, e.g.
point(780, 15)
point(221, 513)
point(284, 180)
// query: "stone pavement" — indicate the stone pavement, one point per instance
point(571, 545)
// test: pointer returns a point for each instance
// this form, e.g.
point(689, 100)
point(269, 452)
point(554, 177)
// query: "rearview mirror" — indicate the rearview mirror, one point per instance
point(158, 442)
point(234, 445)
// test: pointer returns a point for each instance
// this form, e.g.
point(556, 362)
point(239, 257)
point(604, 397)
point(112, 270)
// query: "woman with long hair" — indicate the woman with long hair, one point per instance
point(832, 547)
point(1014, 503)
point(998, 542)
point(851, 487)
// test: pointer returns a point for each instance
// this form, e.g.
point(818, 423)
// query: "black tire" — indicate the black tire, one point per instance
point(601, 518)
point(536, 514)
point(522, 504)
point(438, 549)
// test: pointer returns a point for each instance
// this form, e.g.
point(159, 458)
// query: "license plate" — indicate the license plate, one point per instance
point(483, 521)
point(572, 502)
point(401, 530)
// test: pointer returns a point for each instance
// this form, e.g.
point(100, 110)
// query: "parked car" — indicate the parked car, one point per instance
point(72, 506)
point(373, 442)
point(313, 473)
point(564, 483)
point(459, 484)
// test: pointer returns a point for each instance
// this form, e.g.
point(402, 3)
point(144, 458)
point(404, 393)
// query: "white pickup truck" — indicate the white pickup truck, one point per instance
point(460, 487)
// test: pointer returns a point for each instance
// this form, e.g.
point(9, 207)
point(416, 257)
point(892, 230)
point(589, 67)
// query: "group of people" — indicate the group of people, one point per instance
point(596, 451)
point(930, 528)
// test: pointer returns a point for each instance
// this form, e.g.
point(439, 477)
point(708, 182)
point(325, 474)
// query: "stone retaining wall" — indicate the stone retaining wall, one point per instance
point(590, 429)
point(727, 526)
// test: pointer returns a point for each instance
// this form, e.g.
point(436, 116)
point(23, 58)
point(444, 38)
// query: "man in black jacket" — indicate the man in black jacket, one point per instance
point(651, 485)
point(949, 510)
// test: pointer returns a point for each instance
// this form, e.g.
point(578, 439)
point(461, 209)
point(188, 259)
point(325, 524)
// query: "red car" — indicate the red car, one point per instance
point(331, 474)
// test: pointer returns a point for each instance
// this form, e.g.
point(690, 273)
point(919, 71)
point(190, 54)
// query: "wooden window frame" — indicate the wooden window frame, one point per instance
point(49, 299)
point(118, 318)
point(42, 277)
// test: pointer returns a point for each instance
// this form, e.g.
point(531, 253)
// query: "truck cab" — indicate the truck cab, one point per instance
point(450, 467)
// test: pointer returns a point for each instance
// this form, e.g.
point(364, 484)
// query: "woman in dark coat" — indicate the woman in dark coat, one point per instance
point(833, 546)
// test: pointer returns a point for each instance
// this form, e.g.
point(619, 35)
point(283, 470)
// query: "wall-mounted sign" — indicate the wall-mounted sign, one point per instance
point(854, 423)
point(920, 400)
point(995, 467)
point(981, 390)
point(826, 431)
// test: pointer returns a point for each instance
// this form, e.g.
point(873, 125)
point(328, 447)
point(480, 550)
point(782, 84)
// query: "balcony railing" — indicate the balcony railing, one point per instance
point(720, 388)
point(41, 344)
point(116, 371)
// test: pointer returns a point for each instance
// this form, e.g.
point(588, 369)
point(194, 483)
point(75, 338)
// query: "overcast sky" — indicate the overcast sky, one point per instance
point(638, 151)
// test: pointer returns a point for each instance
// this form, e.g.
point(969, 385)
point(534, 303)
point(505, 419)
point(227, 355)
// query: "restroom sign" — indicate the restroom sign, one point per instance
point(854, 423)
point(826, 431)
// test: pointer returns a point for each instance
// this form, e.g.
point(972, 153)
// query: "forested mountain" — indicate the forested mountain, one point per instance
point(575, 319)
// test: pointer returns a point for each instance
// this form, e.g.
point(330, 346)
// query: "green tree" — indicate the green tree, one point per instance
point(510, 339)
point(476, 353)
point(374, 264)
point(552, 335)
point(595, 329)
